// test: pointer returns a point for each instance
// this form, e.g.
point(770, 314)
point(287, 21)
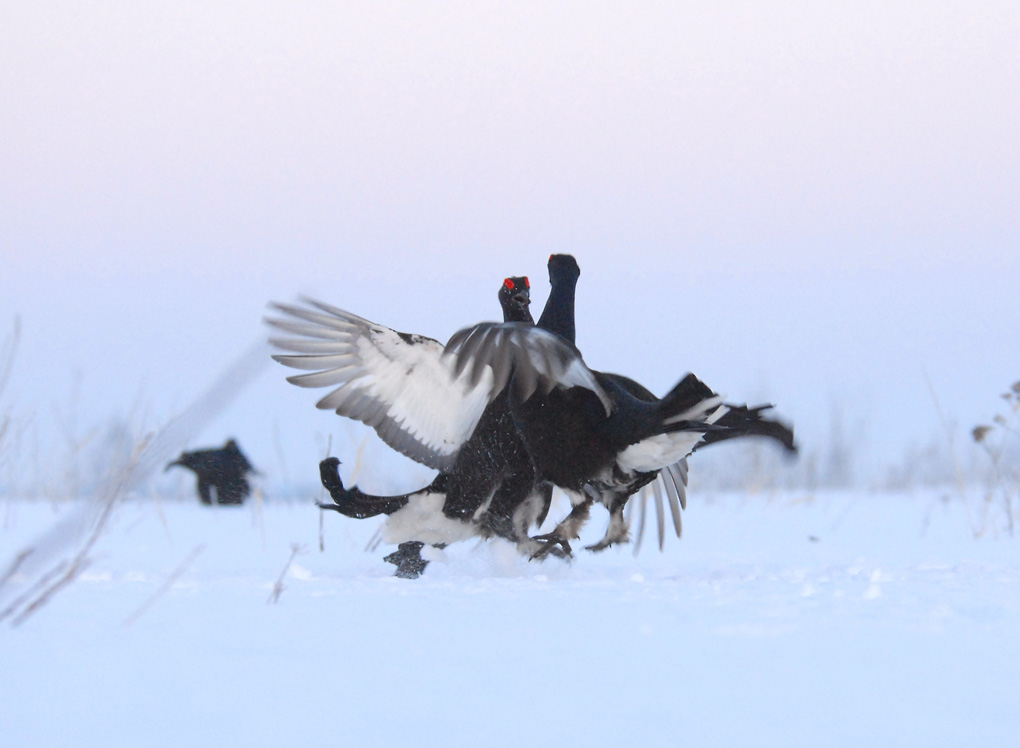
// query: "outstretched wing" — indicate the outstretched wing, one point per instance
point(399, 384)
point(527, 358)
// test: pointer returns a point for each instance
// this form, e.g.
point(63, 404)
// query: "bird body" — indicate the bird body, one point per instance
point(560, 425)
point(487, 484)
point(223, 471)
point(504, 411)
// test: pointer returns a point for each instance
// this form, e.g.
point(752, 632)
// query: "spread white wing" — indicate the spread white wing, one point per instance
point(422, 398)
point(399, 384)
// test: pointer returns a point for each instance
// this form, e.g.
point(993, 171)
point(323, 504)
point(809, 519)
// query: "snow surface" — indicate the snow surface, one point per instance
point(815, 619)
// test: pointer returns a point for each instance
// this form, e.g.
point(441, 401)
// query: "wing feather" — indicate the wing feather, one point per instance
point(659, 515)
point(401, 385)
point(678, 473)
point(674, 499)
point(421, 401)
point(638, 505)
point(535, 359)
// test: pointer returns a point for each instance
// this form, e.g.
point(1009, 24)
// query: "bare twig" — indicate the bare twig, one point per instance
point(165, 586)
point(81, 561)
point(31, 591)
point(322, 496)
point(15, 564)
point(3, 428)
point(278, 587)
point(961, 486)
point(994, 440)
point(7, 359)
point(77, 567)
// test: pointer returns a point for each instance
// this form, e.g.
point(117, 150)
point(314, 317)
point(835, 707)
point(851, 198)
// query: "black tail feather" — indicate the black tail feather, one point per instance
point(740, 420)
point(686, 394)
point(351, 502)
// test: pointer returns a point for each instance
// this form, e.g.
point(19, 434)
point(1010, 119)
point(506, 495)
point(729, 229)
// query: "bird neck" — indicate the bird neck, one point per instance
point(518, 314)
point(558, 314)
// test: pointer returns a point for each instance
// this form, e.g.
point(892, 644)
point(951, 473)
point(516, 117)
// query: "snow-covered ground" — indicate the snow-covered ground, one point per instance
point(800, 618)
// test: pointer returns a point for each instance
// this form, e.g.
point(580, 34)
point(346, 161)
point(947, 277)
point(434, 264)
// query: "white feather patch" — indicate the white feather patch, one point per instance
point(400, 385)
point(422, 519)
point(656, 452)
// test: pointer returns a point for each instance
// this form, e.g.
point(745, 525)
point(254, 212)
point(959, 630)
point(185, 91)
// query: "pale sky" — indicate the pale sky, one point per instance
point(816, 204)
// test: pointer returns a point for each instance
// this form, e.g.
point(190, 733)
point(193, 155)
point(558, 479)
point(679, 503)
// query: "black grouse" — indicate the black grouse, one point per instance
point(584, 431)
point(491, 461)
point(558, 316)
point(733, 421)
point(489, 486)
point(584, 425)
point(224, 470)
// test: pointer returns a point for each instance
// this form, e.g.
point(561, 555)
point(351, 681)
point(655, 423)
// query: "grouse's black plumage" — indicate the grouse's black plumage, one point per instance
point(491, 471)
point(493, 461)
point(730, 421)
point(584, 431)
point(558, 316)
point(221, 470)
point(422, 398)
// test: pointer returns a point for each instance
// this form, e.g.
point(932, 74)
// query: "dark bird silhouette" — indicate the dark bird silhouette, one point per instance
point(731, 421)
point(494, 462)
point(506, 515)
point(224, 470)
point(488, 488)
point(584, 431)
point(432, 414)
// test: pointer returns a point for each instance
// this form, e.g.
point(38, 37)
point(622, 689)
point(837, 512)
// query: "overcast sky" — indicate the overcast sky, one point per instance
point(813, 203)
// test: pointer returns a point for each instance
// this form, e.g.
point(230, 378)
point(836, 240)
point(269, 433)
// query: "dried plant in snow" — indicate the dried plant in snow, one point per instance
point(1000, 441)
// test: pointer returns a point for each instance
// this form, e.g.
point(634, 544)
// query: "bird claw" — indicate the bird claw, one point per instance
point(407, 558)
point(551, 543)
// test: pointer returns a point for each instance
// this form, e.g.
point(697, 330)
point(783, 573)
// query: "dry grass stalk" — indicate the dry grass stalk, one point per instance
point(67, 572)
point(994, 440)
point(15, 565)
point(28, 594)
point(7, 357)
point(977, 528)
point(322, 496)
point(278, 586)
point(7, 362)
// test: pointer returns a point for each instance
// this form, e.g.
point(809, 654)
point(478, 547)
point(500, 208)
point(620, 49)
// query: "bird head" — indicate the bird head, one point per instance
point(515, 298)
point(563, 268)
point(183, 461)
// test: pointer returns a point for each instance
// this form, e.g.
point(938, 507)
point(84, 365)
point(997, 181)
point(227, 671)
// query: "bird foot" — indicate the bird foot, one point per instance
point(611, 538)
point(408, 560)
point(551, 543)
point(492, 526)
